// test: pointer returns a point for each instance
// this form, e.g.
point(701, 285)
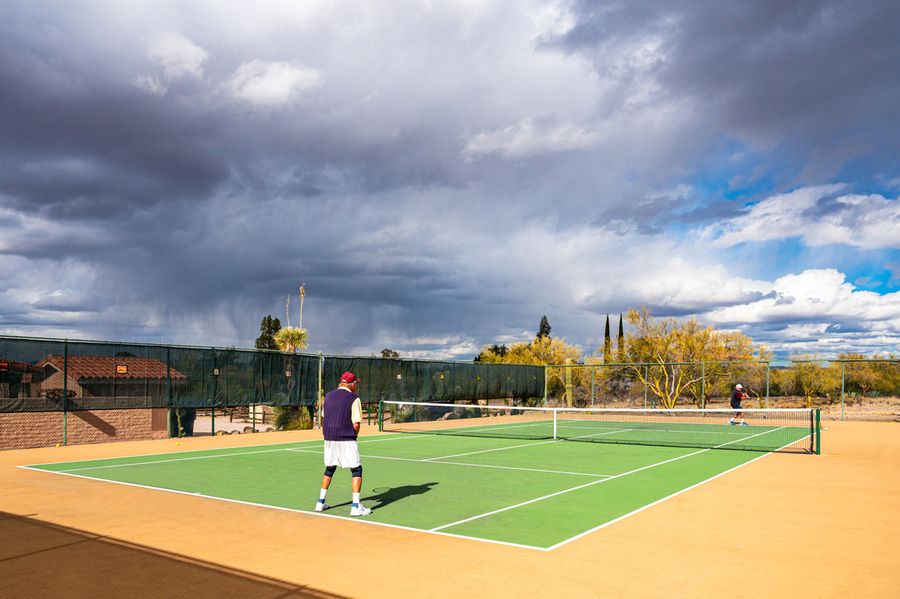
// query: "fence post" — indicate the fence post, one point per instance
point(702, 385)
point(251, 409)
point(593, 369)
point(212, 412)
point(767, 384)
point(319, 390)
point(545, 385)
point(646, 375)
point(65, 391)
point(169, 407)
point(842, 390)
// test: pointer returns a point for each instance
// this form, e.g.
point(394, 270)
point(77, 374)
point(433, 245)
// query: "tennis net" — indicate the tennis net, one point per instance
point(785, 430)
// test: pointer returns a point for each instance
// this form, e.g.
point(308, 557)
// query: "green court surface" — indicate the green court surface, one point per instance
point(534, 493)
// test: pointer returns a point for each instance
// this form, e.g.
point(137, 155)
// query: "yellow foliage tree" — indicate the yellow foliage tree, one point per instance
point(813, 378)
point(861, 376)
point(541, 351)
point(666, 355)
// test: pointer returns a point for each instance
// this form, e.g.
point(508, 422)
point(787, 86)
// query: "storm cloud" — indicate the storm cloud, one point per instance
point(442, 175)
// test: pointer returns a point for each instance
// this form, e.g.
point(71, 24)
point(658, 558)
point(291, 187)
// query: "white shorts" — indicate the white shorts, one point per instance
point(342, 453)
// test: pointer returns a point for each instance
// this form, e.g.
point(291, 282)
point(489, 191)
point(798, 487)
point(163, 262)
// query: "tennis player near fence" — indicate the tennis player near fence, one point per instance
point(736, 397)
point(342, 414)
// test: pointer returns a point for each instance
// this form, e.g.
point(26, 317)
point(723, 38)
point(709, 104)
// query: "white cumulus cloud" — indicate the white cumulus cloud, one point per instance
point(815, 294)
point(177, 57)
point(271, 83)
point(819, 217)
point(530, 136)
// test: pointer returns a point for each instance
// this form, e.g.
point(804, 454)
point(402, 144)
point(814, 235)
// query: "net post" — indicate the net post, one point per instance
point(554, 424)
point(818, 431)
point(381, 416)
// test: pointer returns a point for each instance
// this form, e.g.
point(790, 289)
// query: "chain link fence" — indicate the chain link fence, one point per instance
point(843, 388)
point(130, 390)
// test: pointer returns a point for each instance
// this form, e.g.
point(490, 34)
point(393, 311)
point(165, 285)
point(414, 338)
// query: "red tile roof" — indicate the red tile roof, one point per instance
point(103, 367)
point(13, 366)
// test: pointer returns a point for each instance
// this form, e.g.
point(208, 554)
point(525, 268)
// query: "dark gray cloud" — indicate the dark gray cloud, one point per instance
point(815, 78)
point(95, 144)
point(439, 177)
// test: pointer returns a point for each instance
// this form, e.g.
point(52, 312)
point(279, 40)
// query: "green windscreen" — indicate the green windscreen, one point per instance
point(426, 380)
point(57, 375)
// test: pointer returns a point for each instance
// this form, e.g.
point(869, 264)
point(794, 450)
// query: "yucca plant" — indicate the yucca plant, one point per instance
point(292, 338)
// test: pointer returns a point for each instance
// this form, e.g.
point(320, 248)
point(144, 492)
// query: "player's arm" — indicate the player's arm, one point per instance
point(356, 414)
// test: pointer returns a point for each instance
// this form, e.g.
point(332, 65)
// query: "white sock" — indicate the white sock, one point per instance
point(356, 498)
point(322, 493)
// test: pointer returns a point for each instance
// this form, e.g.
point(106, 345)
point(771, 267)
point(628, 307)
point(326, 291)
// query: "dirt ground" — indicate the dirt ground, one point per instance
point(783, 526)
point(875, 409)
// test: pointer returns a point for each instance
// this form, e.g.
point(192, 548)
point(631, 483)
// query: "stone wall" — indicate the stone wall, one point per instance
point(45, 429)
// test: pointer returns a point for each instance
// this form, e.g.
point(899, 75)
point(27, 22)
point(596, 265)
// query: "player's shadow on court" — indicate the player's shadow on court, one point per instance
point(393, 494)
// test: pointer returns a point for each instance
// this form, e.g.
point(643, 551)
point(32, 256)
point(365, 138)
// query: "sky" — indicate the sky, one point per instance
point(440, 175)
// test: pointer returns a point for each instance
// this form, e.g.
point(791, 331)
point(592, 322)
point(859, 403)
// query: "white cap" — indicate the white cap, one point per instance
point(738, 386)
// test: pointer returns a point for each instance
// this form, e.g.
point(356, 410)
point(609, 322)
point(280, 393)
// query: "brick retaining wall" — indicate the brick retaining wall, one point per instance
point(45, 429)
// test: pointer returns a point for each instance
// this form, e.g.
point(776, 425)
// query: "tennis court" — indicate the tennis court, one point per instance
point(520, 477)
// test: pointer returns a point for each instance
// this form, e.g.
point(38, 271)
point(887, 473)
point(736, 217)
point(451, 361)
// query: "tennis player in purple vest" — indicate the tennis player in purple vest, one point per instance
point(342, 414)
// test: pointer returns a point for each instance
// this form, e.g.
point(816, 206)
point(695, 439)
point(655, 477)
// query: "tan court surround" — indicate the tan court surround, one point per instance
point(783, 526)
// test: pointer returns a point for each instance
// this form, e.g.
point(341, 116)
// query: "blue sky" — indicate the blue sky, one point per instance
point(441, 175)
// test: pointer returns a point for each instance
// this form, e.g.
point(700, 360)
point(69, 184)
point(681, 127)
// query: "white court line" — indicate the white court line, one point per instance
point(596, 482)
point(469, 429)
point(457, 455)
point(731, 431)
point(156, 455)
point(288, 509)
point(370, 522)
point(658, 501)
point(201, 457)
point(621, 430)
point(384, 457)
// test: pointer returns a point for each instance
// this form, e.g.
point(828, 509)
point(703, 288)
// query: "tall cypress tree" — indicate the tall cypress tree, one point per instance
point(607, 344)
point(267, 329)
point(620, 346)
point(544, 328)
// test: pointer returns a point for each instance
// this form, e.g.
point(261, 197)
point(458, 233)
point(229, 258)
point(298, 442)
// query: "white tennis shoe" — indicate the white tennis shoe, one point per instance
point(360, 510)
point(321, 506)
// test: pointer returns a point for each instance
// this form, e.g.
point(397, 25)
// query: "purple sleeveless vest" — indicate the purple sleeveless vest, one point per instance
point(336, 424)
